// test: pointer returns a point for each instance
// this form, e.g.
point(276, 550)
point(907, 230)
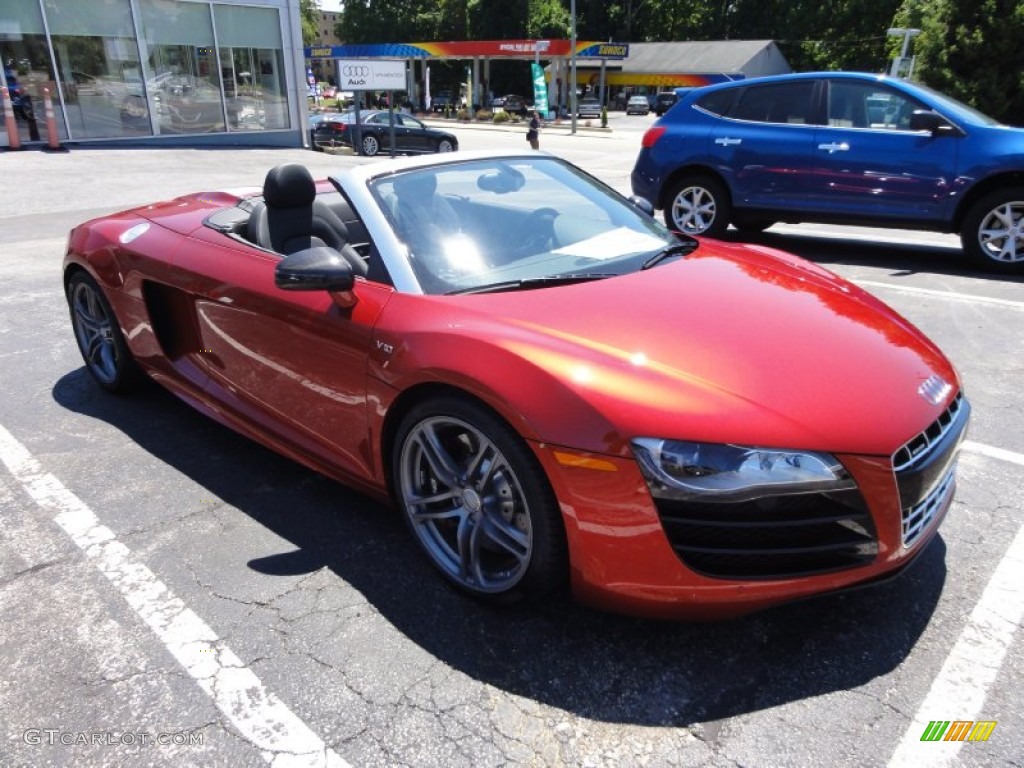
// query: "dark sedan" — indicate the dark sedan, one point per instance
point(511, 103)
point(411, 135)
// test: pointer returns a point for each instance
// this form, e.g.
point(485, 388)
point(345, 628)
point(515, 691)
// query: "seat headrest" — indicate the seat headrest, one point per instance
point(289, 186)
point(416, 185)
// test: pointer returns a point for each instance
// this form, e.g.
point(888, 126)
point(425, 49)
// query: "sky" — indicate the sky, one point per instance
point(330, 5)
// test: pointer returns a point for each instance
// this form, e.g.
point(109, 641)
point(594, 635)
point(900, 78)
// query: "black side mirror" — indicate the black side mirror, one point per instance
point(314, 269)
point(933, 122)
point(643, 204)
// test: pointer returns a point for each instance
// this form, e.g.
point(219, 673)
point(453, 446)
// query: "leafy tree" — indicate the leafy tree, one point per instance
point(971, 49)
point(309, 12)
point(547, 19)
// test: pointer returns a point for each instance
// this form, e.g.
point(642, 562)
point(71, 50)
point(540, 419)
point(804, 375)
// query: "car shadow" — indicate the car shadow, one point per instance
point(600, 666)
point(900, 259)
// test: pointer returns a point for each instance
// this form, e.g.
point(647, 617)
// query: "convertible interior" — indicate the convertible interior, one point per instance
point(295, 214)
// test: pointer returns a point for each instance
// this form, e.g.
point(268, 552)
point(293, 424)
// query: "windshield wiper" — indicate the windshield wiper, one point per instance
point(534, 282)
point(679, 249)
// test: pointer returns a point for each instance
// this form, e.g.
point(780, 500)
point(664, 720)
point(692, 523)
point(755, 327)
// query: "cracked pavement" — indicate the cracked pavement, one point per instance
point(321, 595)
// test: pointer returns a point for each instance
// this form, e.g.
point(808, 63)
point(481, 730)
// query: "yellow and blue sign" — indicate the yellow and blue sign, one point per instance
point(469, 49)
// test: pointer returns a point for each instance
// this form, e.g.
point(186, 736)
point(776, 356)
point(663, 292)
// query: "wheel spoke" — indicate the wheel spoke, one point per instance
point(470, 565)
point(108, 358)
point(415, 500)
point(486, 450)
point(445, 468)
point(420, 515)
point(94, 347)
point(507, 537)
point(84, 315)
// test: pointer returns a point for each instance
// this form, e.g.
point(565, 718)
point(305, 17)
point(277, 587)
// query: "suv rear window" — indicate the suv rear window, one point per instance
point(776, 103)
point(717, 102)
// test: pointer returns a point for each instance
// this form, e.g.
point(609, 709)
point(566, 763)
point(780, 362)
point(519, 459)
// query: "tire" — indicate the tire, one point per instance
point(445, 145)
point(477, 502)
point(993, 231)
point(698, 205)
point(370, 145)
point(104, 350)
point(751, 226)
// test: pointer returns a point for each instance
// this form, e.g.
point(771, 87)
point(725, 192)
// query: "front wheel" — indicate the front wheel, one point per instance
point(99, 337)
point(478, 502)
point(751, 226)
point(370, 144)
point(698, 205)
point(445, 145)
point(993, 231)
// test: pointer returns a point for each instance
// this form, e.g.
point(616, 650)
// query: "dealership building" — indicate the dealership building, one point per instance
point(155, 71)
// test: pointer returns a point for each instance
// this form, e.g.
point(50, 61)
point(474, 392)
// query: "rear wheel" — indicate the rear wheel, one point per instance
point(698, 205)
point(99, 337)
point(370, 144)
point(993, 231)
point(478, 502)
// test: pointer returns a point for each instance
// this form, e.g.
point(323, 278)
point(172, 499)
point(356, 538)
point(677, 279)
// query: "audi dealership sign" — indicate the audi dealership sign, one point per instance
point(371, 75)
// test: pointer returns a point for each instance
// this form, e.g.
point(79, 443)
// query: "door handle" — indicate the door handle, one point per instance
point(833, 147)
point(726, 142)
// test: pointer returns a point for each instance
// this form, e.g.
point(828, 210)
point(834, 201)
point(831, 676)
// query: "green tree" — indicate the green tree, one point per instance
point(971, 49)
point(309, 11)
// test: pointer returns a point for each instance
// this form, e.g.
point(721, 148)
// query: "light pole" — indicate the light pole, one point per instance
point(572, 64)
point(907, 34)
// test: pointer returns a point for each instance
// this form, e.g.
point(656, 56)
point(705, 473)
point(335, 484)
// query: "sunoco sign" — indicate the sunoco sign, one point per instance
point(369, 75)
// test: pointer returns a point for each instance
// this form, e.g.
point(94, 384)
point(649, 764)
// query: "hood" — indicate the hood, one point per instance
point(731, 344)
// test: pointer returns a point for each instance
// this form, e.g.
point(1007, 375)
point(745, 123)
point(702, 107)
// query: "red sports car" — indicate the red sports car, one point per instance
point(552, 387)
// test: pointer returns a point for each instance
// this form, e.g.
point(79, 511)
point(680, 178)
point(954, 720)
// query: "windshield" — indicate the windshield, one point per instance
point(509, 223)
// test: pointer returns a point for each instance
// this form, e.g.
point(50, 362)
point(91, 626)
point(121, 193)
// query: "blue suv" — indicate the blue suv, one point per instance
point(837, 147)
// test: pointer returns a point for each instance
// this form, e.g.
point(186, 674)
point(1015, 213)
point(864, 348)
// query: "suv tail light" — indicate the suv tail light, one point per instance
point(651, 137)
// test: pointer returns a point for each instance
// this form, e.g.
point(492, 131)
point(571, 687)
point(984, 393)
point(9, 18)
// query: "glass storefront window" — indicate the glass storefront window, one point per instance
point(137, 68)
point(184, 85)
point(99, 67)
point(26, 69)
point(252, 67)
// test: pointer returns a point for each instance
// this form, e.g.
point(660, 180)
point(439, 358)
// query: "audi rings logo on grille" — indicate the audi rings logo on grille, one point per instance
point(934, 389)
point(355, 70)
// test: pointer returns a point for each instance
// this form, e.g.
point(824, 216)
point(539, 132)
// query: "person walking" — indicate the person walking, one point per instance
point(533, 134)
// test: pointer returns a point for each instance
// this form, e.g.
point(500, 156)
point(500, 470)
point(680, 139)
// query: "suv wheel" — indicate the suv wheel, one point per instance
point(751, 225)
point(698, 205)
point(993, 231)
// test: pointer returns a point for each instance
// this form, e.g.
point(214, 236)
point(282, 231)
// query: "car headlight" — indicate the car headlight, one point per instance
point(711, 472)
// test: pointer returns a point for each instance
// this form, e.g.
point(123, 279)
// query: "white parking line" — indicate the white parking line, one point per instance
point(284, 740)
point(958, 693)
point(992, 452)
point(948, 295)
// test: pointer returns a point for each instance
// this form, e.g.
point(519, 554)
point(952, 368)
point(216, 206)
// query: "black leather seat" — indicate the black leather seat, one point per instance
point(290, 218)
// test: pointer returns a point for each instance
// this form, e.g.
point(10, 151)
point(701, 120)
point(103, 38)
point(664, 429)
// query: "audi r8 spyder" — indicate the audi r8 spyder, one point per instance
point(553, 388)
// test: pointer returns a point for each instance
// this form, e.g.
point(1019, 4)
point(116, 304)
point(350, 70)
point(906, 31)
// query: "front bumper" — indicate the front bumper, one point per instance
point(631, 555)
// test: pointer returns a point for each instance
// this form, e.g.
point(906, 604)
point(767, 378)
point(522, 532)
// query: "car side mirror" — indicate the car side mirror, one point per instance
point(314, 269)
point(933, 122)
point(643, 204)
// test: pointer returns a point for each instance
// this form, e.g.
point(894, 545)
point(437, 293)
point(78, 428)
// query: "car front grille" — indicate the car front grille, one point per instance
point(925, 467)
point(771, 538)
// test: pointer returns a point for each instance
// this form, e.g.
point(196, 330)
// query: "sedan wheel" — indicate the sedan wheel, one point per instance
point(698, 206)
point(445, 145)
point(99, 337)
point(370, 145)
point(478, 502)
point(993, 231)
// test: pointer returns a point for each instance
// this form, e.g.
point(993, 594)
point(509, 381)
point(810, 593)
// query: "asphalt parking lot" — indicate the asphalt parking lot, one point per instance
point(133, 530)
